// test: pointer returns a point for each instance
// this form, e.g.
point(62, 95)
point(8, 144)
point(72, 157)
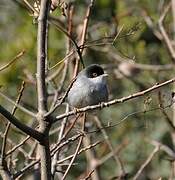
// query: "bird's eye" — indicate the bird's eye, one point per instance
point(94, 74)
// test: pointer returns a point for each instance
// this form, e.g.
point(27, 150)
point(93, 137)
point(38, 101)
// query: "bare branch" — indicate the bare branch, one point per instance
point(44, 126)
point(167, 118)
point(77, 149)
point(17, 146)
point(165, 35)
point(156, 149)
point(4, 142)
point(12, 61)
point(28, 130)
point(18, 105)
point(116, 101)
point(170, 152)
point(116, 157)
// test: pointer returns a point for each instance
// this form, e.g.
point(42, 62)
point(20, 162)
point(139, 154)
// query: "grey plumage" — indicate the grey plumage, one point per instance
point(89, 88)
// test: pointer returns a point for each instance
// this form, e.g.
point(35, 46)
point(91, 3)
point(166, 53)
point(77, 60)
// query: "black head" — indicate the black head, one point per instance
point(93, 71)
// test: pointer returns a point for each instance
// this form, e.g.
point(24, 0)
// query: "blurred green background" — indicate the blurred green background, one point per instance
point(136, 41)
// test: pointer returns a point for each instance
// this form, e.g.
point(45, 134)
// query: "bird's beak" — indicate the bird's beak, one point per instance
point(105, 75)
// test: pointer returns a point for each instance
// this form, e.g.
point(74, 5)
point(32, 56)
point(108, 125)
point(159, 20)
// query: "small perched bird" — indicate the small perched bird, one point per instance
point(89, 88)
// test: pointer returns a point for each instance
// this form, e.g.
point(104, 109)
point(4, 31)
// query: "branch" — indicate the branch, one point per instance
point(170, 152)
point(44, 126)
point(116, 157)
point(18, 105)
point(41, 56)
point(28, 130)
point(3, 162)
point(77, 149)
point(12, 61)
point(164, 33)
point(17, 146)
point(115, 101)
point(83, 35)
point(156, 149)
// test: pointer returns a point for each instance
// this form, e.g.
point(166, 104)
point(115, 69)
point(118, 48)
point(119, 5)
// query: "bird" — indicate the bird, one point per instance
point(89, 88)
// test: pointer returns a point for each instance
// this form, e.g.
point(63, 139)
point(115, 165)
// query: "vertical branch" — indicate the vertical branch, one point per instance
point(83, 35)
point(57, 155)
point(173, 133)
point(44, 126)
point(173, 13)
point(77, 148)
point(165, 35)
point(42, 56)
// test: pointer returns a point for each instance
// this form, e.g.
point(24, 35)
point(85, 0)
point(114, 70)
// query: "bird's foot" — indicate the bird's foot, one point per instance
point(102, 105)
point(76, 110)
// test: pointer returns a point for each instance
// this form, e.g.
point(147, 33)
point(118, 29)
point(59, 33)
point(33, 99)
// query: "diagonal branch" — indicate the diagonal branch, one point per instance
point(28, 130)
point(12, 61)
point(18, 105)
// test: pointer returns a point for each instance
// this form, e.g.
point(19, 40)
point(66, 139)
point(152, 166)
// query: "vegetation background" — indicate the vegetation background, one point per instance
point(125, 37)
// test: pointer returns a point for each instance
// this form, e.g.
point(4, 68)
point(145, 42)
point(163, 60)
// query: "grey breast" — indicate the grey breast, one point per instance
point(84, 92)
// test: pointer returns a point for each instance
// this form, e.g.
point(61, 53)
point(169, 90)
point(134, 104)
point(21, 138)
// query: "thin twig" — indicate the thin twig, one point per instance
point(167, 118)
point(26, 129)
point(83, 36)
point(13, 60)
point(148, 160)
point(77, 149)
point(62, 99)
point(56, 155)
point(80, 151)
point(17, 146)
point(18, 105)
point(29, 166)
point(13, 144)
point(115, 156)
point(72, 40)
point(170, 152)
point(164, 33)
point(89, 175)
point(8, 125)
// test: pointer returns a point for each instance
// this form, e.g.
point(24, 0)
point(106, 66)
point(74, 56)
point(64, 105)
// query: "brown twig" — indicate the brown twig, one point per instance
point(167, 118)
point(80, 151)
point(18, 56)
point(6, 172)
point(89, 175)
point(148, 160)
point(110, 154)
point(26, 129)
point(164, 33)
point(8, 125)
point(170, 152)
point(18, 105)
point(29, 166)
point(116, 157)
point(72, 40)
point(83, 36)
point(62, 99)
point(76, 151)
point(17, 146)
point(91, 158)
